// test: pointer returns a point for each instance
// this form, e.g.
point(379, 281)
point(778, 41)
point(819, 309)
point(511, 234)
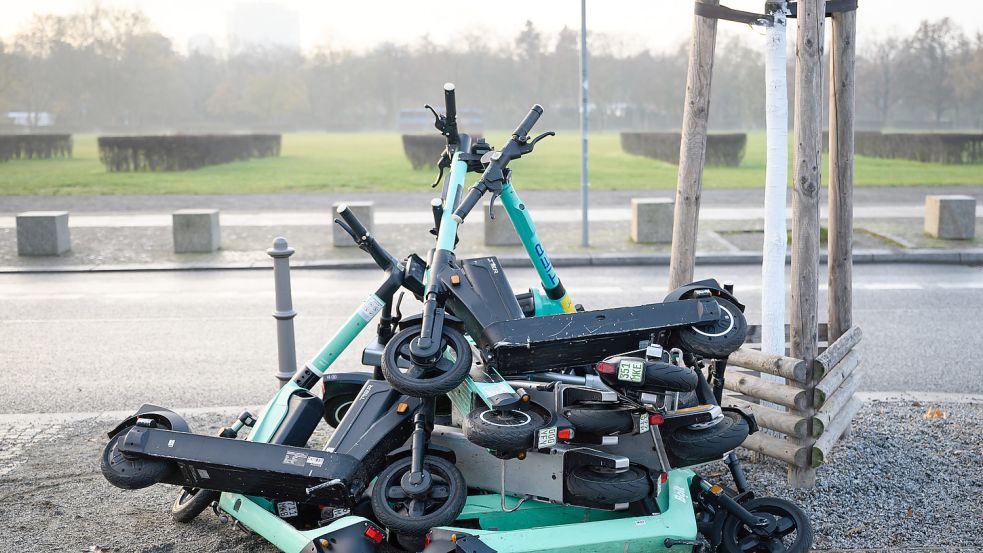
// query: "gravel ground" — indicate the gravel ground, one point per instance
point(899, 483)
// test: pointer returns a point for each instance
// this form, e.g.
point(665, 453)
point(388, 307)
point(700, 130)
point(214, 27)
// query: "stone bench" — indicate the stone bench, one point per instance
point(196, 230)
point(951, 217)
point(43, 233)
point(498, 231)
point(651, 220)
point(365, 213)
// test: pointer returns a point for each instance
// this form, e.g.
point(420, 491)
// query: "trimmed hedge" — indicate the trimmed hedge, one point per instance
point(722, 149)
point(183, 152)
point(950, 148)
point(423, 150)
point(35, 146)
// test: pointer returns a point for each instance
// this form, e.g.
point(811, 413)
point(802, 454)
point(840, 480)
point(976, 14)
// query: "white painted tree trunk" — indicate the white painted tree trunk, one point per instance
point(776, 187)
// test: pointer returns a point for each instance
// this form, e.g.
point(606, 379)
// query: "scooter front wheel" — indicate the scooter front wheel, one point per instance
point(788, 529)
point(426, 380)
point(131, 472)
point(415, 515)
point(190, 503)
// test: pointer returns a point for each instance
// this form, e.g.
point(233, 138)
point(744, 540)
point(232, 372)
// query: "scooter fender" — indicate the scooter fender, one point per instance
point(711, 283)
point(163, 415)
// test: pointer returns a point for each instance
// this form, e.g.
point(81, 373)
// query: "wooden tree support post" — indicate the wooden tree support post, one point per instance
point(692, 149)
point(840, 240)
point(805, 204)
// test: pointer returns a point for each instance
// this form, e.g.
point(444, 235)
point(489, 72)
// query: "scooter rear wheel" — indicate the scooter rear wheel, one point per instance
point(504, 431)
point(131, 472)
point(696, 446)
point(788, 530)
point(609, 487)
point(719, 339)
point(190, 503)
point(602, 419)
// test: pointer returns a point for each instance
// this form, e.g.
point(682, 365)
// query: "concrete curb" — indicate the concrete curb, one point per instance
point(919, 256)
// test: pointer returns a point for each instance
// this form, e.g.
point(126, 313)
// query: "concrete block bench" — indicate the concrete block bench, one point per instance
point(43, 233)
point(196, 230)
point(951, 217)
point(498, 231)
point(651, 220)
point(365, 211)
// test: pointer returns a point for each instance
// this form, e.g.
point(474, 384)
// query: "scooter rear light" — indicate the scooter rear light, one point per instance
point(606, 368)
point(664, 478)
point(374, 534)
point(656, 420)
point(564, 434)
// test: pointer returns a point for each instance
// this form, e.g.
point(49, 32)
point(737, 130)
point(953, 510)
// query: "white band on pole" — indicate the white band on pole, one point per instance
point(776, 188)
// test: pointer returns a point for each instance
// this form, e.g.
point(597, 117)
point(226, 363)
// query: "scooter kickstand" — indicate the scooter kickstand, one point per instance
point(699, 545)
point(502, 495)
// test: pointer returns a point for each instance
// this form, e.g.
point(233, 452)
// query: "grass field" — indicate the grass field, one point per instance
point(375, 162)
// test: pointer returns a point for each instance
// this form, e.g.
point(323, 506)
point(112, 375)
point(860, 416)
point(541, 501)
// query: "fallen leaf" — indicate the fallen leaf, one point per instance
point(910, 513)
point(916, 404)
point(856, 530)
point(935, 413)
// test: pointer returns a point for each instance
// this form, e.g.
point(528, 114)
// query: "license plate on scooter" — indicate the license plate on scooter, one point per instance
point(546, 437)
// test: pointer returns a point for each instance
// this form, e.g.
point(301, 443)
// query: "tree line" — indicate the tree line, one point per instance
point(109, 70)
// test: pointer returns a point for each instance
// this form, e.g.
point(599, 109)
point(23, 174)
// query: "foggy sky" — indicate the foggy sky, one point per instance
point(641, 24)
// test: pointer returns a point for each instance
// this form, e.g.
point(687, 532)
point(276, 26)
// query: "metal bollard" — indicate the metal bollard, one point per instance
point(284, 314)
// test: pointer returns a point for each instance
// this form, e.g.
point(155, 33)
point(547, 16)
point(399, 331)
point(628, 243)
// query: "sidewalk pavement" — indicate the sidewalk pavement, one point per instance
point(136, 234)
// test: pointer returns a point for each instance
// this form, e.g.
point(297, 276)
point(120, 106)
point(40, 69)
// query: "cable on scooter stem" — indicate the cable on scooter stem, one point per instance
point(494, 175)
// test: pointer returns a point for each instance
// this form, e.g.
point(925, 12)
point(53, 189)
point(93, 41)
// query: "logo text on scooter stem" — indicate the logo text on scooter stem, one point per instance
point(544, 262)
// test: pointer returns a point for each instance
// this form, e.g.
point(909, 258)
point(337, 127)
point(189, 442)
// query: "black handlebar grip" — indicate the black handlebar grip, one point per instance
point(527, 124)
point(349, 216)
point(450, 104)
point(466, 205)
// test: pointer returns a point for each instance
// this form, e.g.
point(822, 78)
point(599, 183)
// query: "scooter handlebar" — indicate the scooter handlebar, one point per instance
point(469, 201)
point(352, 221)
point(527, 124)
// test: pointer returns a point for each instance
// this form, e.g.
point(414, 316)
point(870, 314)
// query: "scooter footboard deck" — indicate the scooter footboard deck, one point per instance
point(537, 344)
point(249, 468)
point(547, 528)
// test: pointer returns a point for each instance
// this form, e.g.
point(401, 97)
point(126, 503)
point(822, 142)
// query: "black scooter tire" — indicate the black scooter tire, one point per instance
point(602, 419)
point(426, 387)
point(717, 340)
point(191, 502)
point(609, 488)
point(503, 431)
point(734, 531)
point(442, 515)
point(131, 473)
point(696, 446)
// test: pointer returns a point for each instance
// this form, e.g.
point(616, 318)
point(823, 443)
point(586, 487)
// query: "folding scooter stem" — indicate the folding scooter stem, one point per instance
point(526, 230)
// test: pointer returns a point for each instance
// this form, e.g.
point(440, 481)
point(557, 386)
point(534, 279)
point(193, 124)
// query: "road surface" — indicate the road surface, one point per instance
point(97, 342)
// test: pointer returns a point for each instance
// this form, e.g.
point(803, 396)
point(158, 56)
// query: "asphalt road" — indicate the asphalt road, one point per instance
point(74, 343)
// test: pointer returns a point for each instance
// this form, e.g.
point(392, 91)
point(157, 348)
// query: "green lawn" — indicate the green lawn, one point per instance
point(375, 161)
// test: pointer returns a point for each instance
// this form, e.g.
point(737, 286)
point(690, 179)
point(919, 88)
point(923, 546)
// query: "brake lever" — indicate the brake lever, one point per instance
point(528, 146)
point(344, 226)
point(491, 204)
point(444, 163)
point(438, 119)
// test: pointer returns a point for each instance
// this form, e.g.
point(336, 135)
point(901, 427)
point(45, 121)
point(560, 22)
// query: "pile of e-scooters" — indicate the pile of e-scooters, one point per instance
point(491, 421)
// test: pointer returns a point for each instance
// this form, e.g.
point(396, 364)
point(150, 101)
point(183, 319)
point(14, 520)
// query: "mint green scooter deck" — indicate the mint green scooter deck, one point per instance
point(537, 527)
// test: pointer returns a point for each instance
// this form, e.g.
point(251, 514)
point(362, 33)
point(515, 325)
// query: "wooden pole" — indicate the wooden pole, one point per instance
point(692, 149)
point(840, 242)
point(805, 203)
